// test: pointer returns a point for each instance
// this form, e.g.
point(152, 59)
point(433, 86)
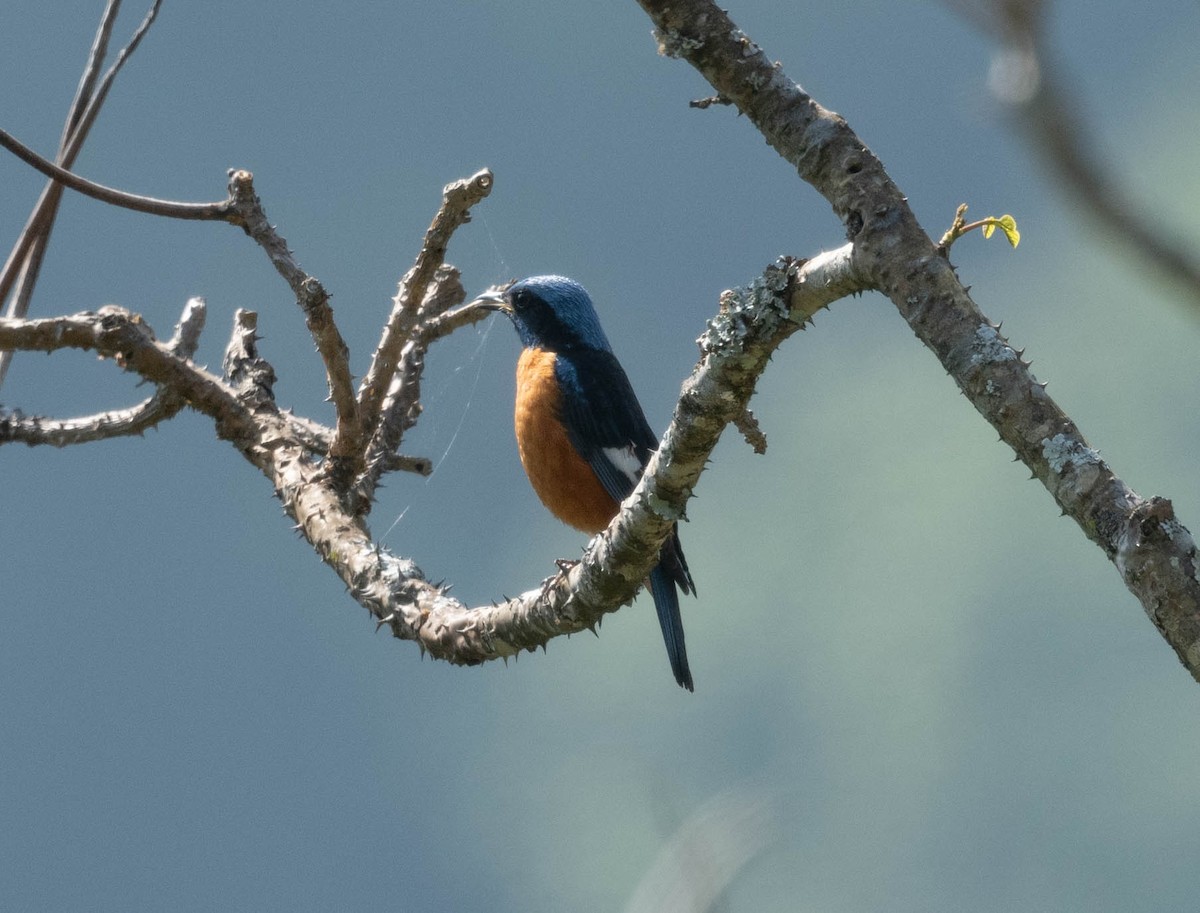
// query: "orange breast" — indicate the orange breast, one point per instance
point(559, 475)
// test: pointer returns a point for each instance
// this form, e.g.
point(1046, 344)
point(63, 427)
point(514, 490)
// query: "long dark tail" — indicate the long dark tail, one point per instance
point(669, 571)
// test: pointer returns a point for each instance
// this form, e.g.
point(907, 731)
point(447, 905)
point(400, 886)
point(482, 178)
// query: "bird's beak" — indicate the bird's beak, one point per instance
point(492, 300)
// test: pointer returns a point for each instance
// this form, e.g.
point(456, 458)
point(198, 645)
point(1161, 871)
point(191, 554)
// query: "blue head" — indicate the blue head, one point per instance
point(551, 312)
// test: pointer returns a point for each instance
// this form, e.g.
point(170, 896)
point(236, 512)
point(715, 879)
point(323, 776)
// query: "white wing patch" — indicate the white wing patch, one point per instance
point(626, 460)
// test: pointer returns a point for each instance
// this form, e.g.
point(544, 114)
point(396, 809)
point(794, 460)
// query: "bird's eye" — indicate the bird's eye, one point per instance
point(522, 298)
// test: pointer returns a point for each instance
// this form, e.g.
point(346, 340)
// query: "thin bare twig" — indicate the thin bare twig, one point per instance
point(317, 438)
point(25, 260)
point(207, 212)
point(34, 237)
point(445, 324)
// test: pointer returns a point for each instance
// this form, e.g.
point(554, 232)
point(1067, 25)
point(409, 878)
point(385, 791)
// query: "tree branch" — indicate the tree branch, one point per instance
point(888, 251)
point(163, 405)
point(25, 260)
point(246, 210)
point(735, 349)
point(116, 333)
point(401, 407)
point(204, 212)
point(422, 295)
point(1152, 551)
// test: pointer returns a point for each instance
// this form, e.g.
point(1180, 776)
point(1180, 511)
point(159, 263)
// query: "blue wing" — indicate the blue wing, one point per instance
point(604, 420)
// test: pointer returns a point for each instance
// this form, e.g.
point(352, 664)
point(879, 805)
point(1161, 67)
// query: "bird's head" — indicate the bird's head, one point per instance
point(549, 312)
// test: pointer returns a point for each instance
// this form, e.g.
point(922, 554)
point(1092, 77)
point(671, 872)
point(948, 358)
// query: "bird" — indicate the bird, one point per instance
point(581, 433)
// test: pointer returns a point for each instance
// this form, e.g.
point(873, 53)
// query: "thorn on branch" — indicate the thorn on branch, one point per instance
point(704, 103)
point(389, 395)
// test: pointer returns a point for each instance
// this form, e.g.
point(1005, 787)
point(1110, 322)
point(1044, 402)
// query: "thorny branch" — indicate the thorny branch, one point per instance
point(1150, 548)
point(425, 292)
point(246, 210)
point(887, 251)
point(164, 404)
point(347, 453)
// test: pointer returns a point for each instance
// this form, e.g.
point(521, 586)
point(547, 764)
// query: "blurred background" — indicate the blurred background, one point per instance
point(924, 689)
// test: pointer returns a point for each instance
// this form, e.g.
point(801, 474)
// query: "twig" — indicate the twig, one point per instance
point(457, 200)
point(401, 407)
point(445, 324)
point(703, 103)
point(163, 405)
point(116, 333)
point(317, 438)
point(25, 260)
point(245, 209)
point(252, 377)
point(209, 212)
point(748, 425)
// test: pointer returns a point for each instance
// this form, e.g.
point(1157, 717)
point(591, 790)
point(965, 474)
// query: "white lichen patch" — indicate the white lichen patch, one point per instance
point(989, 346)
point(1061, 452)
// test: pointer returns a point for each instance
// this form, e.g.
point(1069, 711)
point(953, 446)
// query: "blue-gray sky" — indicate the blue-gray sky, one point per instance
point(943, 687)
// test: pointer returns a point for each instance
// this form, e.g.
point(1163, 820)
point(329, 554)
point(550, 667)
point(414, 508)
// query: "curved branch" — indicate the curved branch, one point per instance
point(208, 212)
point(1152, 551)
point(735, 350)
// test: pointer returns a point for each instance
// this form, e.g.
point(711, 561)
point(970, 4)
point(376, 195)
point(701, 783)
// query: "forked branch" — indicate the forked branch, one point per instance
point(1151, 549)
